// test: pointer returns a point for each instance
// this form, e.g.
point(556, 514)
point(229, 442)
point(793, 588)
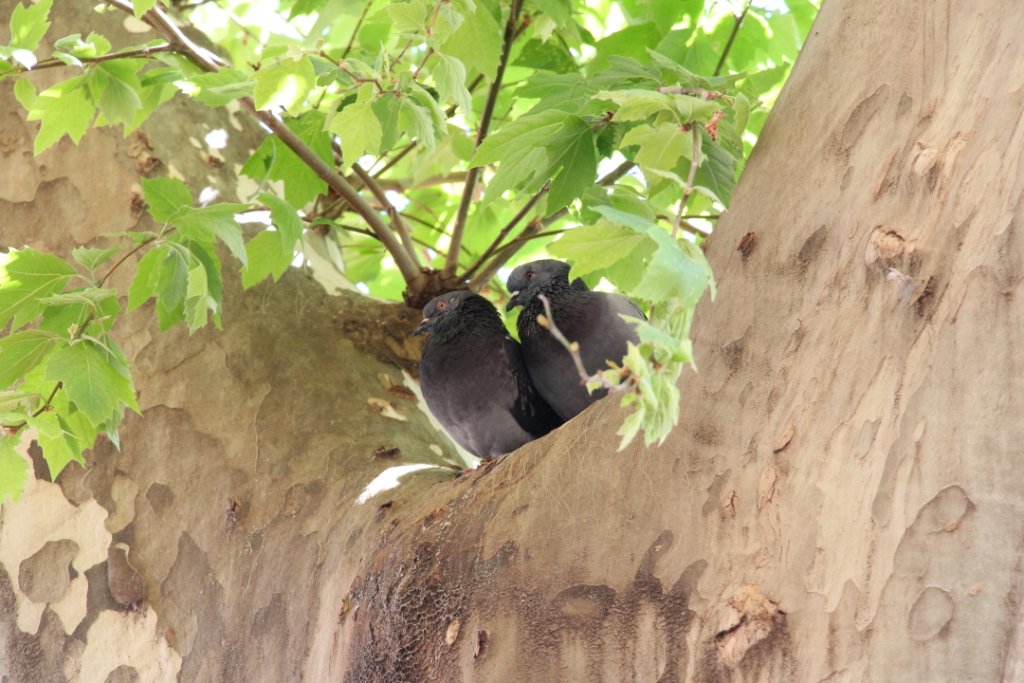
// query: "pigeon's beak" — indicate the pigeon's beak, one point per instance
point(424, 327)
point(513, 301)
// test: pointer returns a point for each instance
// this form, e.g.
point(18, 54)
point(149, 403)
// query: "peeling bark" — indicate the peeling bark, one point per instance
point(841, 501)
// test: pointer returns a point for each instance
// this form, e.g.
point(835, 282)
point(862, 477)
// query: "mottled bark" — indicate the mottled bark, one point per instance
point(841, 501)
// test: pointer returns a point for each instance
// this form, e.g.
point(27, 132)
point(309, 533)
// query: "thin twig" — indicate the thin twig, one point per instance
point(532, 230)
point(451, 262)
point(694, 163)
point(53, 62)
point(395, 159)
point(548, 322)
point(503, 233)
point(732, 37)
point(396, 218)
point(208, 62)
point(355, 31)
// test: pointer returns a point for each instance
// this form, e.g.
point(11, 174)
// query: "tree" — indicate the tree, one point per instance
point(694, 560)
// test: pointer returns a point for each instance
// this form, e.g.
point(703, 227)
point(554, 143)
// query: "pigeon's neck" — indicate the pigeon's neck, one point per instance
point(558, 292)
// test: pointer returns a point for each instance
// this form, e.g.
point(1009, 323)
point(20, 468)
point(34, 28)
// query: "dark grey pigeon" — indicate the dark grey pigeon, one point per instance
point(585, 316)
point(473, 378)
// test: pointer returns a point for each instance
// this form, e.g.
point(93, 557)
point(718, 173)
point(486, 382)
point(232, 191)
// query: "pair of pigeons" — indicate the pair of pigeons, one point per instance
point(492, 394)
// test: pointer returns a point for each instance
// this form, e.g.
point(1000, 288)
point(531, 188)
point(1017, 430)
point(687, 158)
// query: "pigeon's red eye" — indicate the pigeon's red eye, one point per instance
point(529, 274)
point(441, 305)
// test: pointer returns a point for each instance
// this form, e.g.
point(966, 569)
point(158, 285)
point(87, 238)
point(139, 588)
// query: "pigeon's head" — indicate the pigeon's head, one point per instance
point(529, 279)
point(440, 309)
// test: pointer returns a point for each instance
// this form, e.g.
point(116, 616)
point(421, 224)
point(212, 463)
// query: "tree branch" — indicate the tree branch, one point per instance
point(208, 62)
point(53, 62)
point(355, 31)
point(452, 259)
point(396, 218)
point(732, 37)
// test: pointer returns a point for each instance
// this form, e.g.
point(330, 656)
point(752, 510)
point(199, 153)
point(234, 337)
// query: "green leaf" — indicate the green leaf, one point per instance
point(285, 84)
point(22, 351)
point(171, 289)
point(286, 219)
point(58, 442)
point(219, 88)
point(25, 277)
point(64, 109)
point(140, 7)
point(636, 105)
point(559, 10)
point(146, 277)
point(273, 160)
point(266, 257)
point(450, 78)
point(417, 121)
point(677, 270)
point(477, 42)
point(91, 381)
point(13, 469)
point(115, 87)
point(29, 24)
point(517, 137)
point(596, 247)
point(717, 172)
point(90, 297)
point(578, 159)
point(446, 22)
point(217, 220)
point(408, 17)
point(624, 218)
point(523, 170)
point(25, 92)
point(661, 147)
point(165, 197)
point(359, 130)
point(90, 257)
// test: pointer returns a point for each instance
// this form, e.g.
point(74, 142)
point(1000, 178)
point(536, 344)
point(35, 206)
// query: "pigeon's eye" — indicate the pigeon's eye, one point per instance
point(441, 305)
point(529, 275)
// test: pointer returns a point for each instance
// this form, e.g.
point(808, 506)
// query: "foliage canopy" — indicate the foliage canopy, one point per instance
point(420, 145)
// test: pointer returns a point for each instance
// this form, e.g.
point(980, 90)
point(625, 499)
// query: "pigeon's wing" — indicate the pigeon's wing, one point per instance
point(529, 409)
point(622, 305)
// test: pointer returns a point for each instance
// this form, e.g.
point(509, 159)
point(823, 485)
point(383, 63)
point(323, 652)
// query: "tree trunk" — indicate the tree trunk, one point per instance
point(840, 501)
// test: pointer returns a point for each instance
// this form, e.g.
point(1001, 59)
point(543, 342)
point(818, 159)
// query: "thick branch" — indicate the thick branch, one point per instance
point(452, 260)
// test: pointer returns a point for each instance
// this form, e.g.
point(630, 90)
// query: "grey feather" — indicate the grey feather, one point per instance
point(593, 319)
point(474, 380)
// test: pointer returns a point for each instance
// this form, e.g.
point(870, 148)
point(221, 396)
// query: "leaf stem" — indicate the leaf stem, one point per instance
point(694, 163)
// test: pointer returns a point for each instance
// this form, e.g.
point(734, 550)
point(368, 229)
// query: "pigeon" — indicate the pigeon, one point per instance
point(590, 318)
point(473, 378)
